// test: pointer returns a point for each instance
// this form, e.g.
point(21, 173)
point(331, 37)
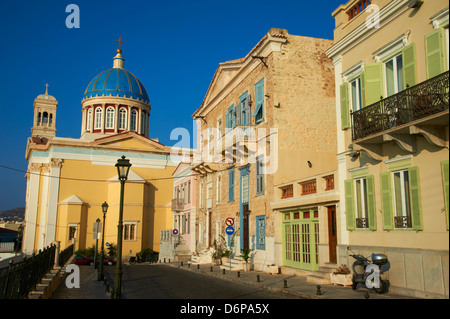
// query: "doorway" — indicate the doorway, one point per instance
point(332, 236)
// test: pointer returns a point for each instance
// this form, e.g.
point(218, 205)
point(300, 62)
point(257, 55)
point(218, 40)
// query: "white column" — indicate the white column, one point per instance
point(31, 209)
point(43, 207)
point(53, 195)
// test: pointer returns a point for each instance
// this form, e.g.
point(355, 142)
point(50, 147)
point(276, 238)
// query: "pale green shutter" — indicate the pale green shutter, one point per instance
point(349, 204)
point(414, 191)
point(409, 64)
point(445, 178)
point(386, 200)
point(345, 112)
point(434, 49)
point(371, 212)
point(374, 82)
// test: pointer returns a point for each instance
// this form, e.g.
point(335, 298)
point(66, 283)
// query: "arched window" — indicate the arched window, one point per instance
point(50, 120)
point(143, 117)
point(45, 118)
point(122, 119)
point(98, 118)
point(39, 119)
point(110, 117)
point(133, 122)
point(88, 120)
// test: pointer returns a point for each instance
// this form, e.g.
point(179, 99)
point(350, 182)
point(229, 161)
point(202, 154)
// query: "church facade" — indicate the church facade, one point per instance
point(68, 179)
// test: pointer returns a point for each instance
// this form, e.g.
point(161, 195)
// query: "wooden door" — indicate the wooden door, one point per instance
point(332, 236)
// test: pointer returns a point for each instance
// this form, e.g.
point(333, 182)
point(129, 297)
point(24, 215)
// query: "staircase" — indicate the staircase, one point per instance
point(323, 275)
point(203, 257)
point(237, 263)
point(320, 277)
point(181, 251)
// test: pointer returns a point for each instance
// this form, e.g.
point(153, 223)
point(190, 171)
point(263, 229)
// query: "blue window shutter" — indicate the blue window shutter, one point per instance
point(238, 114)
point(258, 113)
point(233, 116)
point(231, 185)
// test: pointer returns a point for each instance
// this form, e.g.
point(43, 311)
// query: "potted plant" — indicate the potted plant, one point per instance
point(246, 256)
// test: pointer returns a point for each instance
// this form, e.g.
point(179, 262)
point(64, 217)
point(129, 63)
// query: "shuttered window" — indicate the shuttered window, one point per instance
point(258, 113)
point(360, 203)
point(231, 185)
point(260, 232)
point(374, 82)
point(259, 175)
point(445, 182)
point(345, 112)
point(435, 52)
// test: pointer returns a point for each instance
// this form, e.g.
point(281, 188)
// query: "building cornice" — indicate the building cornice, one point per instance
point(362, 32)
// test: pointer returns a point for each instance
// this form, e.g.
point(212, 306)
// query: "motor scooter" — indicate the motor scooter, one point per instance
point(138, 259)
point(370, 273)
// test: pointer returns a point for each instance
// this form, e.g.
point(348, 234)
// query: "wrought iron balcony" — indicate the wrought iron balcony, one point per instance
point(362, 223)
point(402, 221)
point(415, 103)
point(177, 205)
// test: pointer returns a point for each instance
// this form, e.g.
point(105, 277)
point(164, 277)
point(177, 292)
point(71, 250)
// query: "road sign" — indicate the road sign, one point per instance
point(175, 231)
point(229, 221)
point(229, 230)
point(107, 244)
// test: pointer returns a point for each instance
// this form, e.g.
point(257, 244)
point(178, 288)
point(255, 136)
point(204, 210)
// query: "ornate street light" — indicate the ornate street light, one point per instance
point(123, 167)
point(100, 267)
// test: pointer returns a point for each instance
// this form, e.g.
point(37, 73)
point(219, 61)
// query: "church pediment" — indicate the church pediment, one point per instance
point(130, 141)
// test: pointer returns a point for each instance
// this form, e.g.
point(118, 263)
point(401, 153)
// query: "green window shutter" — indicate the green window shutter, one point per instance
point(409, 64)
point(374, 82)
point(371, 212)
point(414, 191)
point(386, 201)
point(434, 49)
point(345, 112)
point(350, 204)
point(445, 177)
point(362, 78)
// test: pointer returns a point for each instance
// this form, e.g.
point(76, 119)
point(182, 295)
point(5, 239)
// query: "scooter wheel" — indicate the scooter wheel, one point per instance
point(354, 284)
point(382, 288)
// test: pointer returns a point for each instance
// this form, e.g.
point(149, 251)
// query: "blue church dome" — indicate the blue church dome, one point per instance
point(117, 81)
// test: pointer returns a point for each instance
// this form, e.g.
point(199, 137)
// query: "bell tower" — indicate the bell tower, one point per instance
point(44, 115)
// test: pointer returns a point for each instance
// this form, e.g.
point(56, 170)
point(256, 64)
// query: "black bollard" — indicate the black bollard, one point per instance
point(285, 283)
point(318, 293)
point(258, 279)
point(239, 274)
point(224, 271)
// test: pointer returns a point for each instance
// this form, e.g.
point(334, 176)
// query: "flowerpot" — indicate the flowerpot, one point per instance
point(340, 279)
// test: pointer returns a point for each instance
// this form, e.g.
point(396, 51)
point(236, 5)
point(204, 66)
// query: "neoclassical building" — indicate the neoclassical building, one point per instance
point(68, 179)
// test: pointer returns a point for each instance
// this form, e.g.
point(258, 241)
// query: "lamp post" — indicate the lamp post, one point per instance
point(100, 267)
point(97, 226)
point(123, 166)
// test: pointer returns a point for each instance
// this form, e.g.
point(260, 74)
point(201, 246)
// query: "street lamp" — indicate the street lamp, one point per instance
point(97, 226)
point(100, 267)
point(123, 167)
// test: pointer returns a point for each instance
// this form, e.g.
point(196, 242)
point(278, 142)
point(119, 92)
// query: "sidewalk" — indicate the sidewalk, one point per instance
point(296, 285)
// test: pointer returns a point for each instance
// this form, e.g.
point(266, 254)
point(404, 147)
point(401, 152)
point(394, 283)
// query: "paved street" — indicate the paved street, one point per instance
point(159, 281)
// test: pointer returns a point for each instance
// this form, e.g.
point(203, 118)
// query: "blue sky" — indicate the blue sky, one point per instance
point(173, 47)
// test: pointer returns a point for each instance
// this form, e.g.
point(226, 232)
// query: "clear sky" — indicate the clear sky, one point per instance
point(173, 47)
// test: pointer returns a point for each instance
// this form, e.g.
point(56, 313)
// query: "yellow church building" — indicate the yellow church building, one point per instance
point(68, 179)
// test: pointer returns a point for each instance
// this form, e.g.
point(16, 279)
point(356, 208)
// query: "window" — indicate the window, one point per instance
point(219, 128)
point(98, 118)
point(362, 220)
point(360, 202)
point(218, 188)
point(129, 232)
point(245, 189)
point(72, 232)
point(402, 199)
point(258, 113)
point(355, 86)
point(243, 110)
point(231, 185)
point(260, 232)
point(329, 182)
point(200, 195)
point(394, 75)
point(133, 120)
point(122, 119)
point(110, 117)
point(309, 187)
point(260, 175)
point(189, 192)
point(89, 119)
point(287, 191)
point(143, 122)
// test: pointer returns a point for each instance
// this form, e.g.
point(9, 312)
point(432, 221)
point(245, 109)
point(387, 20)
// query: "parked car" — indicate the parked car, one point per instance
point(82, 260)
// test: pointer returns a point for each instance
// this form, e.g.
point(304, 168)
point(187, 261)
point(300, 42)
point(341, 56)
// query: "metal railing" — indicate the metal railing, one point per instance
point(19, 279)
point(416, 102)
point(65, 255)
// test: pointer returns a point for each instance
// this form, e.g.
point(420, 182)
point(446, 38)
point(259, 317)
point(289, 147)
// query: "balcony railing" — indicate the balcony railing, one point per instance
point(414, 103)
point(177, 205)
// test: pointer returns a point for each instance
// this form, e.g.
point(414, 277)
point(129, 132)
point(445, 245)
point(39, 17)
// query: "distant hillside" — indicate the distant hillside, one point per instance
point(13, 214)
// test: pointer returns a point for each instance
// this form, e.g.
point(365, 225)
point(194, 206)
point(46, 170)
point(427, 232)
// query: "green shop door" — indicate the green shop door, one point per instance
point(301, 239)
